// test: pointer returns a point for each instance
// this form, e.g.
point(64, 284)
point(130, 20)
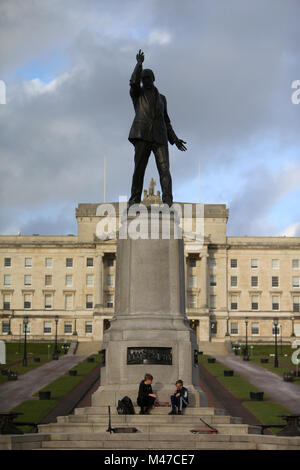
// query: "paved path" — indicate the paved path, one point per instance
point(15, 392)
point(285, 393)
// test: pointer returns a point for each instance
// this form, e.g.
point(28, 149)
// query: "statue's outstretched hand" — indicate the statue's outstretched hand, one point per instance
point(140, 57)
point(180, 145)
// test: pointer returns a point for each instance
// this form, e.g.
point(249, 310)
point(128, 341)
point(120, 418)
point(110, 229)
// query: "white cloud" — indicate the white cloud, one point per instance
point(292, 230)
point(159, 37)
point(222, 71)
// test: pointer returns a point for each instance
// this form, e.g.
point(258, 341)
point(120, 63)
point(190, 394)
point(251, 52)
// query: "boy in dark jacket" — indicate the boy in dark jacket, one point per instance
point(180, 398)
point(146, 397)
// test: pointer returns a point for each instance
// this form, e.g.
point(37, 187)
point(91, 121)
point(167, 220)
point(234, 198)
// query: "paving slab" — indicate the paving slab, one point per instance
point(285, 393)
point(15, 392)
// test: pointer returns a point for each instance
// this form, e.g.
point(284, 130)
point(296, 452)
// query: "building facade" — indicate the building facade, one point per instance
point(233, 284)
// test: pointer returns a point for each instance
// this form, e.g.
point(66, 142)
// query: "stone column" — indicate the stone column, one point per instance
point(99, 301)
point(204, 275)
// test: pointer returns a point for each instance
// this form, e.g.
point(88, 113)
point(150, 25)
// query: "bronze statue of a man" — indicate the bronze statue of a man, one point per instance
point(150, 131)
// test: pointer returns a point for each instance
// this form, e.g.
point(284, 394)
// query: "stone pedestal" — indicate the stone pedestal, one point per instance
point(149, 314)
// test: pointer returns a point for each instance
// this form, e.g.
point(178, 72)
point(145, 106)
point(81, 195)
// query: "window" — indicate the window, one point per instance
point(233, 302)
point(89, 301)
point(7, 262)
point(68, 301)
point(275, 281)
point(69, 280)
point(275, 263)
point(7, 280)
point(192, 281)
point(192, 262)
point(27, 300)
point(234, 328)
point(213, 327)
point(68, 328)
point(296, 281)
point(233, 281)
point(90, 261)
point(110, 280)
point(89, 280)
point(5, 328)
point(109, 262)
point(27, 280)
point(109, 300)
point(254, 302)
point(6, 302)
point(48, 262)
point(295, 264)
point(254, 281)
point(47, 327)
point(254, 263)
point(48, 301)
point(275, 302)
point(48, 280)
point(28, 262)
point(69, 262)
point(212, 262)
point(88, 327)
point(233, 263)
point(213, 280)
point(255, 328)
point(212, 301)
point(296, 302)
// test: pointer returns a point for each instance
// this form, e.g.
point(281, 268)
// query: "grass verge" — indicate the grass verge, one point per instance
point(265, 411)
point(36, 410)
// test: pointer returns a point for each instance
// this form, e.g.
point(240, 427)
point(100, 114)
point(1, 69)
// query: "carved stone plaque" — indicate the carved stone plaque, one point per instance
point(149, 355)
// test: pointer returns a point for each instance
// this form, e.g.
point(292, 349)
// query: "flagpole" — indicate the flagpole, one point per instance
point(104, 180)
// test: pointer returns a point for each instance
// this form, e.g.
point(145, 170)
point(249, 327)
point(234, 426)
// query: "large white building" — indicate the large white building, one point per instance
point(228, 280)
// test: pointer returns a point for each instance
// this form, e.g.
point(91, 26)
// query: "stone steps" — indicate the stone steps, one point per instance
point(136, 420)
point(88, 347)
point(145, 428)
point(176, 441)
point(160, 410)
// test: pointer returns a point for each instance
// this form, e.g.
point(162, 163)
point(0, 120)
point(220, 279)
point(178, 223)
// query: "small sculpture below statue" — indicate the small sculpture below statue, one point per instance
point(150, 197)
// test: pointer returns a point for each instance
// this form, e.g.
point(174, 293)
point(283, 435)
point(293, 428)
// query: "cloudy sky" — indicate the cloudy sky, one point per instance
point(226, 69)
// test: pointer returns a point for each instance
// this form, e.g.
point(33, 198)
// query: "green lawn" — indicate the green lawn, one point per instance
point(14, 357)
point(35, 410)
point(265, 411)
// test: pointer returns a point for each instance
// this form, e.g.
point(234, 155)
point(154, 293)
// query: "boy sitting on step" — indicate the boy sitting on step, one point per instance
point(180, 399)
point(146, 397)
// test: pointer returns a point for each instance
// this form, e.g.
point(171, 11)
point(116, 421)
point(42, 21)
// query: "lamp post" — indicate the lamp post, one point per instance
point(293, 330)
point(227, 327)
point(276, 352)
point(246, 355)
point(25, 323)
point(55, 354)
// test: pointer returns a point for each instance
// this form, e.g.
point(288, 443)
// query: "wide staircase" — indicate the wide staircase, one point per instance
point(88, 347)
point(87, 429)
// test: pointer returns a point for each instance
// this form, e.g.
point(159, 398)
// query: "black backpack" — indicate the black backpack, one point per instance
point(125, 407)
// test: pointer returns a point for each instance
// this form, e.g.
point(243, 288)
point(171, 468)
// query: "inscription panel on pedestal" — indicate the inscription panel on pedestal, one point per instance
point(149, 355)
